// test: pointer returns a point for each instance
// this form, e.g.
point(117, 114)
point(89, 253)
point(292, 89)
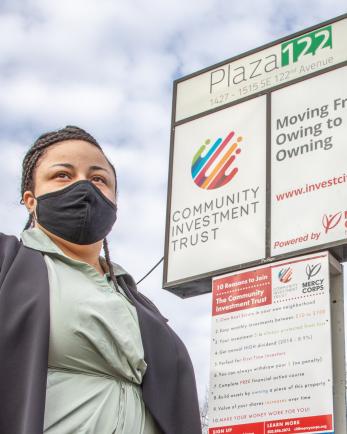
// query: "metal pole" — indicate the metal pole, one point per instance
point(338, 344)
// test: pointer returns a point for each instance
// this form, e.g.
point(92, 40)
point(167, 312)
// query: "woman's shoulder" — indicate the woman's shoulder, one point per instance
point(8, 242)
point(9, 247)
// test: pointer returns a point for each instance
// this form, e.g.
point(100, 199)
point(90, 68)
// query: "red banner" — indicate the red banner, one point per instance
point(300, 425)
point(249, 428)
point(242, 291)
point(297, 425)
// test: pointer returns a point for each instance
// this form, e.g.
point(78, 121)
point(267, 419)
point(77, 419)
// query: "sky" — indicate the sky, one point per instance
point(108, 67)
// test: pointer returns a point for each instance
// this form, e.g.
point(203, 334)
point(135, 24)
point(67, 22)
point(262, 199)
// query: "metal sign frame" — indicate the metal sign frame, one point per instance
point(199, 284)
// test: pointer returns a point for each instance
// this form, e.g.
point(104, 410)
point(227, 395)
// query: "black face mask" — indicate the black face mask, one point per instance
point(79, 213)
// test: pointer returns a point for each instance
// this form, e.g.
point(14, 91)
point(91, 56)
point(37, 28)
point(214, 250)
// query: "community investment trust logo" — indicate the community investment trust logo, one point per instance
point(285, 275)
point(212, 164)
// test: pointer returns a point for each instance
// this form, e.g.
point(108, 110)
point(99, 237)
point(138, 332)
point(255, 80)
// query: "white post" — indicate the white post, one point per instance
point(338, 344)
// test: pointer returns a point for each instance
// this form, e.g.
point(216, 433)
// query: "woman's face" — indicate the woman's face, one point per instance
point(67, 162)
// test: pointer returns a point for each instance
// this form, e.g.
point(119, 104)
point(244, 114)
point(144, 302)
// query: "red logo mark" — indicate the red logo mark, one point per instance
point(331, 220)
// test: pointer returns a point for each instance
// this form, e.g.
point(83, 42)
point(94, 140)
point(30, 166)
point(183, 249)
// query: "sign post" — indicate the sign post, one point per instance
point(257, 176)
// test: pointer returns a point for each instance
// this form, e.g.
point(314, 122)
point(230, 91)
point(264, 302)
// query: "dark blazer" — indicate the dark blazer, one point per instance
point(168, 387)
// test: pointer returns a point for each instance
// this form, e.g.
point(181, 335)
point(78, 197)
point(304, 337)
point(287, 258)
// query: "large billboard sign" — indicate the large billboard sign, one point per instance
point(257, 162)
point(272, 356)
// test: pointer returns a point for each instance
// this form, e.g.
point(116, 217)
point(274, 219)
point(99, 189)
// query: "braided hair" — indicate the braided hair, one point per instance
point(38, 149)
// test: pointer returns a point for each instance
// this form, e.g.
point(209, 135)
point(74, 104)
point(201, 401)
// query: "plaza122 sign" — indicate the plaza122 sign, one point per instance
point(257, 158)
point(279, 63)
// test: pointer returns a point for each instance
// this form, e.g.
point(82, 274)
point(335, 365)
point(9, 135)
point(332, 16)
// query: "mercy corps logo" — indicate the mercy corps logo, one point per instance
point(330, 221)
point(312, 270)
point(211, 165)
point(313, 285)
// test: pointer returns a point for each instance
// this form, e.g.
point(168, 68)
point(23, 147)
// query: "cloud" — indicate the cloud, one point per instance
point(108, 67)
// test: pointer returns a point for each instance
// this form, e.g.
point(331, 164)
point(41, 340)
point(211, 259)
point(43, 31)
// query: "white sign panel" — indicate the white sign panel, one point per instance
point(271, 354)
point(279, 64)
point(308, 163)
point(218, 191)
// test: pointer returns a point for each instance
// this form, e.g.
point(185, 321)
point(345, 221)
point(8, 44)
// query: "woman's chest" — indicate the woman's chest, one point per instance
point(92, 328)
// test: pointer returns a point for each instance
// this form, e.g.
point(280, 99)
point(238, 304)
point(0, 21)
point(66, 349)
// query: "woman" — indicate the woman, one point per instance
point(81, 350)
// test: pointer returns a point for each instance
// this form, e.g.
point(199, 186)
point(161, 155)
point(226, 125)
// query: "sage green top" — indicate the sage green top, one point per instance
point(96, 359)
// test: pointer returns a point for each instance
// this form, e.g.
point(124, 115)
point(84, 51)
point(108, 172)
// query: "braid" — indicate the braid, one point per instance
point(29, 165)
point(29, 222)
point(110, 266)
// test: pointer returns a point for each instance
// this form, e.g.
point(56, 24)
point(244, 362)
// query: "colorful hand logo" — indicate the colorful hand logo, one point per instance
point(285, 275)
point(210, 170)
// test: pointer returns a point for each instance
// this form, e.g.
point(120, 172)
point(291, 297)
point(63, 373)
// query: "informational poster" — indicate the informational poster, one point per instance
point(308, 163)
point(276, 65)
point(218, 191)
point(271, 352)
